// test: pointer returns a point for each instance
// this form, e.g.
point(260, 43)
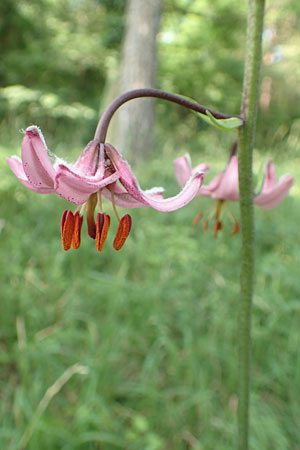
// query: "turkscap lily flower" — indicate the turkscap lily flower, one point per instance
point(225, 186)
point(99, 170)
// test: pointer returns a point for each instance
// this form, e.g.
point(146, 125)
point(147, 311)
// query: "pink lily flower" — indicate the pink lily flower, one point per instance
point(225, 186)
point(99, 170)
point(274, 191)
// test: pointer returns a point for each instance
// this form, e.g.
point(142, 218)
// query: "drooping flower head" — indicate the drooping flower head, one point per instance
point(99, 171)
point(225, 187)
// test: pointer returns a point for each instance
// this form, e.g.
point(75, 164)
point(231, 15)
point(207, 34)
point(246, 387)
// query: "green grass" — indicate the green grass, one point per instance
point(154, 326)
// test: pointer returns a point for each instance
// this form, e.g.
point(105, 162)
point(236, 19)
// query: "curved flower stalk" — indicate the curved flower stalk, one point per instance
point(99, 170)
point(225, 187)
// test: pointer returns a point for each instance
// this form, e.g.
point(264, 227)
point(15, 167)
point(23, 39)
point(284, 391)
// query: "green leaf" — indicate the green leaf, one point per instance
point(222, 124)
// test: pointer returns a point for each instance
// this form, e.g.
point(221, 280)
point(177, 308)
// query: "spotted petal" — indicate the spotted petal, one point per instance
point(91, 160)
point(77, 188)
point(131, 185)
point(36, 162)
point(125, 200)
point(17, 168)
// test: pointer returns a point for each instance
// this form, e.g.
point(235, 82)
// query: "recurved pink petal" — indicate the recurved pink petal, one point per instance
point(155, 191)
point(130, 183)
point(226, 184)
point(36, 162)
point(270, 179)
point(183, 169)
point(201, 168)
point(118, 189)
point(91, 160)
point(16, 167)
point(120, 164)
point(168, 204)
point(77, 188)
point(271, 197)
point(208, 190)
point(125, 200)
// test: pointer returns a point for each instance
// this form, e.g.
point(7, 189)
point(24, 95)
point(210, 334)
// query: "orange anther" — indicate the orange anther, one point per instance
point(205, 225)
point(102, 227)
point(77, 230)
point(67, 229)
point(217, 227)
point(197, 218)
point(123, 232)
point(235, 228)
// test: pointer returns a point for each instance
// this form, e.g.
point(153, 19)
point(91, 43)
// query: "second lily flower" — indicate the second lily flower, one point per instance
point(225, 187)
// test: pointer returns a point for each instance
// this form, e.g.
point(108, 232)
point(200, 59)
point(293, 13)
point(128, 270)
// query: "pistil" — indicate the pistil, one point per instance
point(90, 217)
point(113, 202)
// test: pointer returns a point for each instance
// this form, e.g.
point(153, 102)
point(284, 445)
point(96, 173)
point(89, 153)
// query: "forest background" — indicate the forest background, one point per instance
point(153, 327)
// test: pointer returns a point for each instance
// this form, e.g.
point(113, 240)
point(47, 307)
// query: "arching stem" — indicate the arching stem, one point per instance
point(105, 119)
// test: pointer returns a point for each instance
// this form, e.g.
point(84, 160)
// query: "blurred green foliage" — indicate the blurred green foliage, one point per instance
point(59, 57)
point(154, 324)
point(54, 61)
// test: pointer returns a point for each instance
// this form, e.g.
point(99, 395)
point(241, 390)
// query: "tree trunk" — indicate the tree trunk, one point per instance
point(137, 70)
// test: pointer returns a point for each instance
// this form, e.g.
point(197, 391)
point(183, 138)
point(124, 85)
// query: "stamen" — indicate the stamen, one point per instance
point(123, 232)
point(235, 224)
point(113, 202)
point(235, 229)
point(78, 219)
point(205, 225)
point(78, 207)
point(83, 208)
point(197, 218)
point(219, 209)
point(67, 229)
point(102, 227)
point(91, 205)
point(218, 226)
point(99, 198)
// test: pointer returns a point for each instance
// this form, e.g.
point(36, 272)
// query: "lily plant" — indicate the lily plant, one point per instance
point(100, 171)
point(224, 188)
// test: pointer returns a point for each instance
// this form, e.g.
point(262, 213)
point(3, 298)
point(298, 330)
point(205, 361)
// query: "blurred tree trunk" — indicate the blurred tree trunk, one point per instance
point(135, 120)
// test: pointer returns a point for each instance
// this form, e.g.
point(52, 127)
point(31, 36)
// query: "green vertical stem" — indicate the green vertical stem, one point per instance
point(246, 144)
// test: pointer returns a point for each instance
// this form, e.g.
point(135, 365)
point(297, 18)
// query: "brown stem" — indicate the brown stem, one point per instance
point(104, 121)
